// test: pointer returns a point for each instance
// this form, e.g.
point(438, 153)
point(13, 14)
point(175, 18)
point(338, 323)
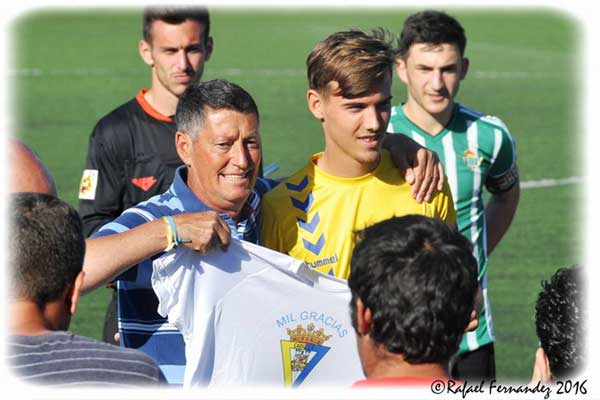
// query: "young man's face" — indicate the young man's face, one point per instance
point(223, 160)
point(355, 127)
point(177, 53)
point(432, 74)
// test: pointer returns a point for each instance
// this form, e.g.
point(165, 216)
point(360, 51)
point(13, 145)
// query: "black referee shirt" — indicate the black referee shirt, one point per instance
point(133, 151)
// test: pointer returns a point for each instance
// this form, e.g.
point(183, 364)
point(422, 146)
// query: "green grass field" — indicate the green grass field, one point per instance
point(69, 68)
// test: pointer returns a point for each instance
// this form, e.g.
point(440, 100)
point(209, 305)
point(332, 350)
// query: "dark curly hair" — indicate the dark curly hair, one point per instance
point(418, 277)
point(558, 321)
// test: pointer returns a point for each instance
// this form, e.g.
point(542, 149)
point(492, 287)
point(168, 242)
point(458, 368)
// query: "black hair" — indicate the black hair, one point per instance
point(46, 246)
point(558, 321)
point(418, 277)
point(175, 16)
point(431, 27)
point(216, 94)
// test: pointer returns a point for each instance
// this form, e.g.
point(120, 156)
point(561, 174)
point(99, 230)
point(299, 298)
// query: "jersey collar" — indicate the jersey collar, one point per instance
point(400, 113)
point(191, 203)
point(148, 109)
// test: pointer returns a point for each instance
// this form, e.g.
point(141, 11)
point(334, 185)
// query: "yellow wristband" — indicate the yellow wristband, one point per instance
point(169, 234)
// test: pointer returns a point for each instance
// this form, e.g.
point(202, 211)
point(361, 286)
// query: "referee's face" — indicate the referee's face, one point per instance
point(223, 159)
point(177, 53)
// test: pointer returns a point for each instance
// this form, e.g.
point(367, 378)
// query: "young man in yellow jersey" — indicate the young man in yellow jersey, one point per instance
point(353, 183)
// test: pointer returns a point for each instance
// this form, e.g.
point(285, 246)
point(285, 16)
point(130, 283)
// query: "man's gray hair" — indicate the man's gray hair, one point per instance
point(217, 94)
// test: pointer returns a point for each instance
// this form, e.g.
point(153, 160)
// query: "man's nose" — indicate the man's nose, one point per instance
point(437, 83)
point(241, 156)
point(372, 119)
point(183, 61)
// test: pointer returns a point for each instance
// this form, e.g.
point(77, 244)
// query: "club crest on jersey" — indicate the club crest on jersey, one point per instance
point(471, 160)
point(302, 352)
point(89, 182)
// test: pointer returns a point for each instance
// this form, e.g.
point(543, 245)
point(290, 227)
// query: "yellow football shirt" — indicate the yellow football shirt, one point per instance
point(313, 216)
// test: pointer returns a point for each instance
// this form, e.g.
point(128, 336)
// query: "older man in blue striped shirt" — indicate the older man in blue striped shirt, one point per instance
point(213, 197)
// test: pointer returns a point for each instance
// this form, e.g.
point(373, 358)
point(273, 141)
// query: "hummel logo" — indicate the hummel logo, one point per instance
point(144, 183)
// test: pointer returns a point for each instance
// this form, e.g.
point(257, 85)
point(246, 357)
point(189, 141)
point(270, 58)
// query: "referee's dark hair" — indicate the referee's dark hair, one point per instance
point(216, 94)
point(174, 15)
point(418, 277)
point(559, 316)
point(46, 247)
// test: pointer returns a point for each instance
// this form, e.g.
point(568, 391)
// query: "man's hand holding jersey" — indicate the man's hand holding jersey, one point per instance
point(107, 257)
point(203, 231)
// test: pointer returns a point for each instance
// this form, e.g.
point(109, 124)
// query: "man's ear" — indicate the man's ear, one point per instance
point(315, 103)
point(73, 292)
point(145, 50)
point(364, 318)
point(209, 48)
point(401, 70)
point(184, 143)
point(464, 69)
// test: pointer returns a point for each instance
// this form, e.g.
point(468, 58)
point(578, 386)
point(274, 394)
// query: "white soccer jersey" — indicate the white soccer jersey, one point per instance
point(252, 316)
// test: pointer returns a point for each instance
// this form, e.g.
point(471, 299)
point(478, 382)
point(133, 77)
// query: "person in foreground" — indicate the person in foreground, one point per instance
point(559, 316)
point(413, 282)
point(46, 250)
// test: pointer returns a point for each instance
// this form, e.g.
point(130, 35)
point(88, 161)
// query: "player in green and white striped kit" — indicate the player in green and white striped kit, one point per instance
point(476, 151)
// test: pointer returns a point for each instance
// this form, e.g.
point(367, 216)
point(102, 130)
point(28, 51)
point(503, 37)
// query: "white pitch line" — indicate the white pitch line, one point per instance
point(572, 180)
point(262, 72)
point(38, 72)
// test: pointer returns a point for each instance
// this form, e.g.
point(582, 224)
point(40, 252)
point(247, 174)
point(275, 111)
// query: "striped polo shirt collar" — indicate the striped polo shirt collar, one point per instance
point(191, 203)
point(180, 189)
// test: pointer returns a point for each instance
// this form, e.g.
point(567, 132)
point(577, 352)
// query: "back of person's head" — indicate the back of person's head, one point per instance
point(353, 59)
point(27, 173)
point(433, 28)
point(418, 278)
point(46, 247)
point(216, 94)
point(558, 320)
point(174, 16)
